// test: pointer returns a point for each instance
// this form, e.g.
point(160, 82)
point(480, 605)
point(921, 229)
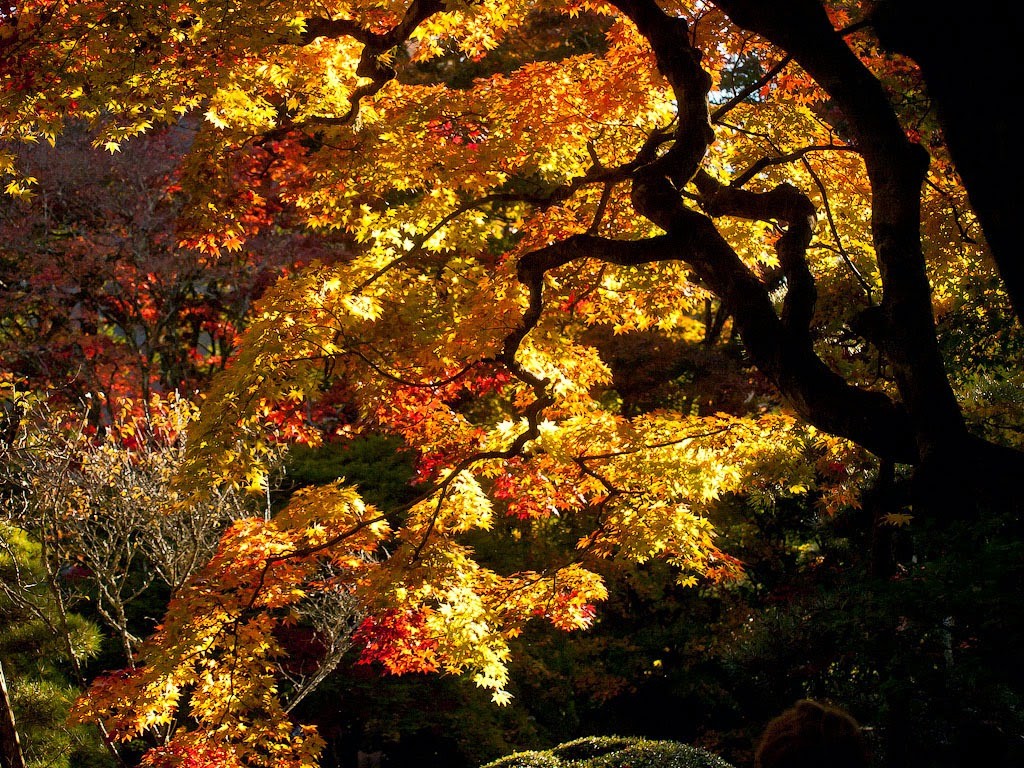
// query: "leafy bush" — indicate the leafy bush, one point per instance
point(613, 752)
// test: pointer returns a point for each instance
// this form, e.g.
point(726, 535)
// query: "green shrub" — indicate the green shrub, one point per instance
point(613, 752)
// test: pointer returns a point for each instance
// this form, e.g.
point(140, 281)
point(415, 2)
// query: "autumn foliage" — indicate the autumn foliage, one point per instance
point(487, 185)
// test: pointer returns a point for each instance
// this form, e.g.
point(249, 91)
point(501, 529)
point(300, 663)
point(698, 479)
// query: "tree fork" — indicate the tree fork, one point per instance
point(904, 326)
point(781, 347)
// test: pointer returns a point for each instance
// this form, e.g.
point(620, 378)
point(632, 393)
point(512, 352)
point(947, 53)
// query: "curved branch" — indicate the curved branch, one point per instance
point(375, 45)
point(782, 159)
point(766, 78)
point(417, 12)
point(679, 62)
point(896, 169)
point(655, 189)
point(334, 28)
point(781, 349)
point(785, 203)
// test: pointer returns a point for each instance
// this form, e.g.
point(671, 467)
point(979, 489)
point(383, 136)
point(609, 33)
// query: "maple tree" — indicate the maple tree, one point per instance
point(508, 193)
point(101, 298)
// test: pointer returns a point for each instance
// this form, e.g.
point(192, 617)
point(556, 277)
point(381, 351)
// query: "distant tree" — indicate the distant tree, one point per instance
point(101, 291)
point(88, 524)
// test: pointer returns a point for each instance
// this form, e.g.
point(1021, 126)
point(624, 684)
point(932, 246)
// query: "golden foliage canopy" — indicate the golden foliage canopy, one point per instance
point(506, 176)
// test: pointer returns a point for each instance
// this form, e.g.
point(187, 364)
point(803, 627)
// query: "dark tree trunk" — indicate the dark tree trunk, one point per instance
point(956, 473)
point(970, 59)
point(950, 476)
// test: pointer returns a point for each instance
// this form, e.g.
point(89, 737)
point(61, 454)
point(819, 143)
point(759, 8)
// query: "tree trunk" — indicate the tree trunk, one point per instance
point(10, 747)
point(961, 51)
